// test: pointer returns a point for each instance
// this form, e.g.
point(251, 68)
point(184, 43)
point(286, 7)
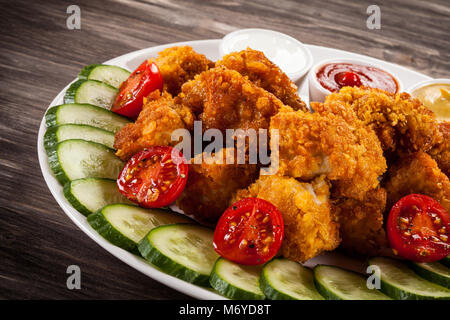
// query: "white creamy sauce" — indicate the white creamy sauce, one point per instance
point(286, 52)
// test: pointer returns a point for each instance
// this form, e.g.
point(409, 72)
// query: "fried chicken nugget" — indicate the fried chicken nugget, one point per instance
point(418, 173)
point(178, 65)
point(210, 186)
point(224, 99)
point(315, 144)
point(265, 74)
point(159, 117)
point(309, 226)
point(441, 152)
point(399, 120)
point(361, 222)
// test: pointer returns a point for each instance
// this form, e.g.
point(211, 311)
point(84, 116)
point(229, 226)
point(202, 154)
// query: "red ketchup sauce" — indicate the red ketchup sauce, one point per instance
point(334, 76)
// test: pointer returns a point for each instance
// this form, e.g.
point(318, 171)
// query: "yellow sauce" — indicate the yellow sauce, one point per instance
point(435, 97)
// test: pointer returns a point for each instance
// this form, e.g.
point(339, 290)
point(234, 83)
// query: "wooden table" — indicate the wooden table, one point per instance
point(39, 56)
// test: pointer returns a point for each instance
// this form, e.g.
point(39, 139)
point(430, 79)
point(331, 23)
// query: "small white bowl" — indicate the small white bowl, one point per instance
point(292, 56)
point(426, 83)
point(439, 116)
point(318, 93)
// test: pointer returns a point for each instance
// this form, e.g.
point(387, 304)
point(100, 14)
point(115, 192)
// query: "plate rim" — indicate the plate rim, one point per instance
point(131, 260)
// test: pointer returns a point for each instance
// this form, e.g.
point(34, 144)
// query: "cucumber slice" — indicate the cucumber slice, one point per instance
point(335, 283)
point(77, 159)
point(236, 281)
point(54, 135)
point(446, 261)
point(282, 279)
point(92, 92)
point(91, 194)
point(125, 225)
point(181, 250)
point(111, 75)
point(85, 114)
point(400, 282)
point(434, 272)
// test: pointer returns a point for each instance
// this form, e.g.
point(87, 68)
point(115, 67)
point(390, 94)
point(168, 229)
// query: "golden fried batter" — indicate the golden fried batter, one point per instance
point(314, 144)
point(361, 222)
point(153, 127)
point(210, 187)
point(178, 65)
point(224, 99)
point(441, 152)
point(418, 173)
point(338, 148)
point(265, 74)
point(309, 225)
point(399, 120)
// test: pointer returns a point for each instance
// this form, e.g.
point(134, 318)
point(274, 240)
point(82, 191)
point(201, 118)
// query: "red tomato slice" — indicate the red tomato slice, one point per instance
point(144, 80)
point(155, 177)
point(249, 232)
point(348, 78)
point(418, 229)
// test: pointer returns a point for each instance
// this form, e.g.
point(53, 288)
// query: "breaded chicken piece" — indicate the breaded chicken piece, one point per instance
point(399, 120)
point(178, 65)
point(224, 99)
point(309, 225)
point(361, 222)
point(265, 74)
point(210, 186)
point(418, 173)
point(314, 144)
point(441, 152)
point(159, 117)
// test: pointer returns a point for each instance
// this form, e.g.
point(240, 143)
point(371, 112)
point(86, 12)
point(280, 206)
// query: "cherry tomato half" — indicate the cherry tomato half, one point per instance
point(348, 78)
point(418, 229)
point(249, 232)
point(144, 80)
point(155, 177)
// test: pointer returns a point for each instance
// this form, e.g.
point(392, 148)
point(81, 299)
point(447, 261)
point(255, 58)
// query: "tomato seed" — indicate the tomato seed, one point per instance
point(435, 239)
point(424, 253)
point(268, 239)
point(404, 220)
point(415, 236)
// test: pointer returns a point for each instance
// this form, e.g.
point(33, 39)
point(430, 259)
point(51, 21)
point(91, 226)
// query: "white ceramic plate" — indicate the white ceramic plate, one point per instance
point(210, 48)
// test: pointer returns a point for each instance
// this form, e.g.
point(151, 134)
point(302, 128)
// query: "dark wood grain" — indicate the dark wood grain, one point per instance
point(39, 56)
